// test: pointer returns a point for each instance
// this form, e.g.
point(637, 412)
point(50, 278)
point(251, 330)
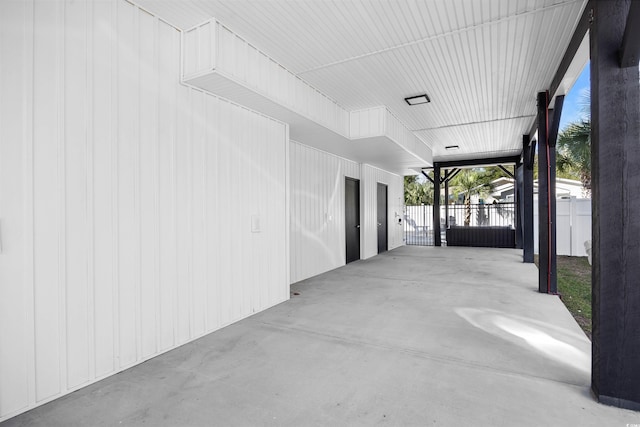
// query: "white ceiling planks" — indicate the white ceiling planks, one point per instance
point(476, 140)
point(481, 61)
point(488, 67)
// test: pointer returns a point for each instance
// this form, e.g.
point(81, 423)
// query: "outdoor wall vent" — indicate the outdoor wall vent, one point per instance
point(418, 99)
point(452, 147)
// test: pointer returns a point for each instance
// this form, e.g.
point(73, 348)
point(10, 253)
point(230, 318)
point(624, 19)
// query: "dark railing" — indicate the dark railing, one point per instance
point(418, 220)
point(483, 215)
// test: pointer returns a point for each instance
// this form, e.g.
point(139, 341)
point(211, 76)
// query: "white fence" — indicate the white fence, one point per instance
point(418, 225)
point(485, 215)
point(573, 225)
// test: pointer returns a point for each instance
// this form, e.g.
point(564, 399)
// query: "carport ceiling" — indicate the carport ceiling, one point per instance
point(480, 61)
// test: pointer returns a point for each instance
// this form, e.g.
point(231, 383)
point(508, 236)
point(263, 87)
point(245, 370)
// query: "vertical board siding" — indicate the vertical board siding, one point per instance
point(75, 190)
point(401, 135)
point(317, 210)
point(368, 122)
point(126, 199)
point(199, 49)
point(371, 176)
point(102, 201)
point(47, 179)
point(14, 387)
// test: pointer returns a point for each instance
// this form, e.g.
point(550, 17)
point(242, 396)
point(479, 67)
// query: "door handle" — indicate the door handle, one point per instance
point(379, 224)
point(358, 226)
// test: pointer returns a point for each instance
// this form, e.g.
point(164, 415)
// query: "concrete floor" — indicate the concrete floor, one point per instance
point(417, 336)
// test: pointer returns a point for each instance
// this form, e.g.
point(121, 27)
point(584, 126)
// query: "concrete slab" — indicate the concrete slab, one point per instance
point(416, 336)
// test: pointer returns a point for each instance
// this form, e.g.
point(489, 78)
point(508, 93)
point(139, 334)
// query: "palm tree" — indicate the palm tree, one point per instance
point(574, 147)
point(469, 182)
point(574, 152)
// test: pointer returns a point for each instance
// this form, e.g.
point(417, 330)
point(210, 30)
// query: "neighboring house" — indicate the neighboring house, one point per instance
point(565, 188)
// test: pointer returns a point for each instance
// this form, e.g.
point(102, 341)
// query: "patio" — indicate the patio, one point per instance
point(416, 336)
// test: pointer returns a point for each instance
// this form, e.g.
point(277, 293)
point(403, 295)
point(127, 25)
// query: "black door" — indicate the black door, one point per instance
point(382, 218)
point(352, 218)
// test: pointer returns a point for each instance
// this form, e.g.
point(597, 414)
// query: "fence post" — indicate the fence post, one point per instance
point(573, 221)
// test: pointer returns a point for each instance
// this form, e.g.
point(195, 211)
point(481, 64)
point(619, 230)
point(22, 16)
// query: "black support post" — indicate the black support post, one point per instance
point(630, 51)
point(436, 205)
point(555, 123)
point(615, 177)
point(517, 197)
point(527, 200)
point(547, 281)
point(446, 197)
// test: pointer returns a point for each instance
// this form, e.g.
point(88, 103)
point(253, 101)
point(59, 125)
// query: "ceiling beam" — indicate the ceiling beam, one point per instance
point(428, 177)
point(491, 161)
point(630, 52)
point(452, 174)
point(569, 55)
point(507, 171)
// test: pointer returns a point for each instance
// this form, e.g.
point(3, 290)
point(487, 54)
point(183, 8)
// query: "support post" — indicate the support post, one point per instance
point(547, 281)
point(446, 197)
point(527, 200)
point(436, 205)
point(517, 197)
point(615, 176)
point(630, 51)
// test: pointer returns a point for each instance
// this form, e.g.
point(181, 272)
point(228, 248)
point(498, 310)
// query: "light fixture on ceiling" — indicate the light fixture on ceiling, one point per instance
point(418, 99)
point(452, 147)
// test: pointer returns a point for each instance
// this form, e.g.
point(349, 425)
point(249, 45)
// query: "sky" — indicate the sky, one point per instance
point(572, 109)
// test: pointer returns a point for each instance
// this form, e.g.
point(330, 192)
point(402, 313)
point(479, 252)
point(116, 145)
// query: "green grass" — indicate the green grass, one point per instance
point(574, 285)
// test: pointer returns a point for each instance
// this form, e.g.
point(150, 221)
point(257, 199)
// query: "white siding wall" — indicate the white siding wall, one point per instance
point(317, 210)
point(199, 50)
point(126, 199)
point(367, 122)
point(401, 135)
point(371, 176)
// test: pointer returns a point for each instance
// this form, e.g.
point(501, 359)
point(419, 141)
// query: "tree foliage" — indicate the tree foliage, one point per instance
point(573, 155)
point(417, 192)
point(471, 182)
point(574, 151)
point(477, 181)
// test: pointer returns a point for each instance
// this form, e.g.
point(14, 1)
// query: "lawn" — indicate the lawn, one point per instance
point(574, 286)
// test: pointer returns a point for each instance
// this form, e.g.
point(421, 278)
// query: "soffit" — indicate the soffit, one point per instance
point(481, 62)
